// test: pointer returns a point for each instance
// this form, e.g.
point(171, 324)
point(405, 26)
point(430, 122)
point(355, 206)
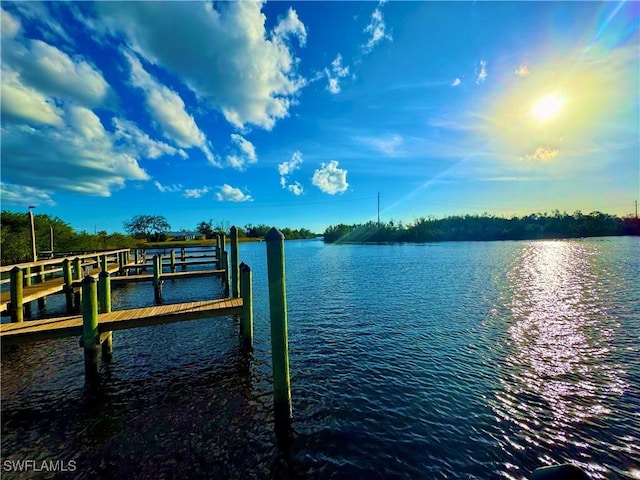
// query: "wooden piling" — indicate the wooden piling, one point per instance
point(68, 279)
point(235, 277)
point(279, 336)
point(32, 236)
point(157, 278)
point(218, 252)
point(225, 266)
point(27, 281)
point(17, 312)
point(104, 305)
point(103, 263)
point(42, 302)
point(173, 261)
point(223, 248)
point(77, 275)
point(135, 256)
point(246, 323)
point(121, 263)
point(183, 254)
point(90, 336)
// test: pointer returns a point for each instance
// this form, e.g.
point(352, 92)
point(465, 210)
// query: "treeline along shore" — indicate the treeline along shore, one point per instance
point(54, 235)
point(485, 228)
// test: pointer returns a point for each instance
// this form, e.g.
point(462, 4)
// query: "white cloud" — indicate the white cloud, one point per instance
point(543, 154)
point(456, 82)
point(221, 51)
point(24, 104)
point(168, 110)
point(482, 74)
point(167, 188)
point(24, 195)
point(334, 84)
point(228, 193)
point(53, 72)
point(9, 25)
point(247, 153)
point(334, 75)
point(195, 192)
point(522, 71)
point(388, 145)
point(79, 156)
point(330, 179)
point(41, 17)
point(128, 132)
point(295, 188)
point(291, 26)
point(376, 29)
point(287, 168)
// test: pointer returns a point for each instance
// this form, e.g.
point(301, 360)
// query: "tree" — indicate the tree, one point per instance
point(147, 226)
point(206, 228)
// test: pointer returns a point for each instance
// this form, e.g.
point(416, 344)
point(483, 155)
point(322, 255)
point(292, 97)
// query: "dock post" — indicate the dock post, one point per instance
point(103, 263)
point(157, 278)
point(26, 274)
point(77, 275)
point(279, 336)
point(17, 312)
point(42, 301)
point(173, 261)
point(223, 248)
point(246, 323)
point(120, 263)
point(41, 274)
point(104, 305)
point(68, 279)
point(235, 277)
point(90, 336)
point(135, 256)
point(225, 267)
point(218, 253)
point(183, 258)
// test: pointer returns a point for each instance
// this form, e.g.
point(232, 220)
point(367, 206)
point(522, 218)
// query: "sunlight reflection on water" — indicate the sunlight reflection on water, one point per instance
point(560, 337)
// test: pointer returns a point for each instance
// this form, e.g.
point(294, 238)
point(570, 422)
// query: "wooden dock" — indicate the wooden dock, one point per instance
point(37, 330)
point(168, 276)
point(37, 291)
point(97, 321)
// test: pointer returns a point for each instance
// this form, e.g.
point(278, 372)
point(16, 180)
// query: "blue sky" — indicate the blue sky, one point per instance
point(298, 113)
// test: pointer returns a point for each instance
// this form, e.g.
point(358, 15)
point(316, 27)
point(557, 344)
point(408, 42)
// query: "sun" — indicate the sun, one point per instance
point(548, 106)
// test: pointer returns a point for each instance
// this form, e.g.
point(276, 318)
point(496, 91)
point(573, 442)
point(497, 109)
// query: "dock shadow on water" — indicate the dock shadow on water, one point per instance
point(201, 418)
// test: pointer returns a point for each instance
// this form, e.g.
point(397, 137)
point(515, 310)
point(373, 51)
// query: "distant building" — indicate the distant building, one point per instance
point(184, 235)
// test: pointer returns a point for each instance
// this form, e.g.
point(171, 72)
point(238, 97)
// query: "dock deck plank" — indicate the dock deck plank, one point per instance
point(49, 287)
point(36, 330)
point(166, 276)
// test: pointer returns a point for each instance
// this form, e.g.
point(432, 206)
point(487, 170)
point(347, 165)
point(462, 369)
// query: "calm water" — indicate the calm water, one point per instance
point(451, 360)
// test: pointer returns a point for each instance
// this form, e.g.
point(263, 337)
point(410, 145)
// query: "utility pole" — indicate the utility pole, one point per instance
point(34, 255)
point(379, 209)
point(636, 204)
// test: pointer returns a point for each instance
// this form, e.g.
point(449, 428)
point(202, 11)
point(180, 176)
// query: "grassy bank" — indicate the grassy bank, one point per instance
point(191, 243)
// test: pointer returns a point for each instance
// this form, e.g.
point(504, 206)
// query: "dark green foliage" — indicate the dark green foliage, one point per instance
point(16, 245)
point(487, 227)
point(149, 227)
point(259, 231)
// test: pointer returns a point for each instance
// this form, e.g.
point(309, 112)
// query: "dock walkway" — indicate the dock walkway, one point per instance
point(69, 326)
point(37, 291)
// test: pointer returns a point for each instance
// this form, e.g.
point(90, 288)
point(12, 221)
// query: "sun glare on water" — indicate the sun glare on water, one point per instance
point(548, 106)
